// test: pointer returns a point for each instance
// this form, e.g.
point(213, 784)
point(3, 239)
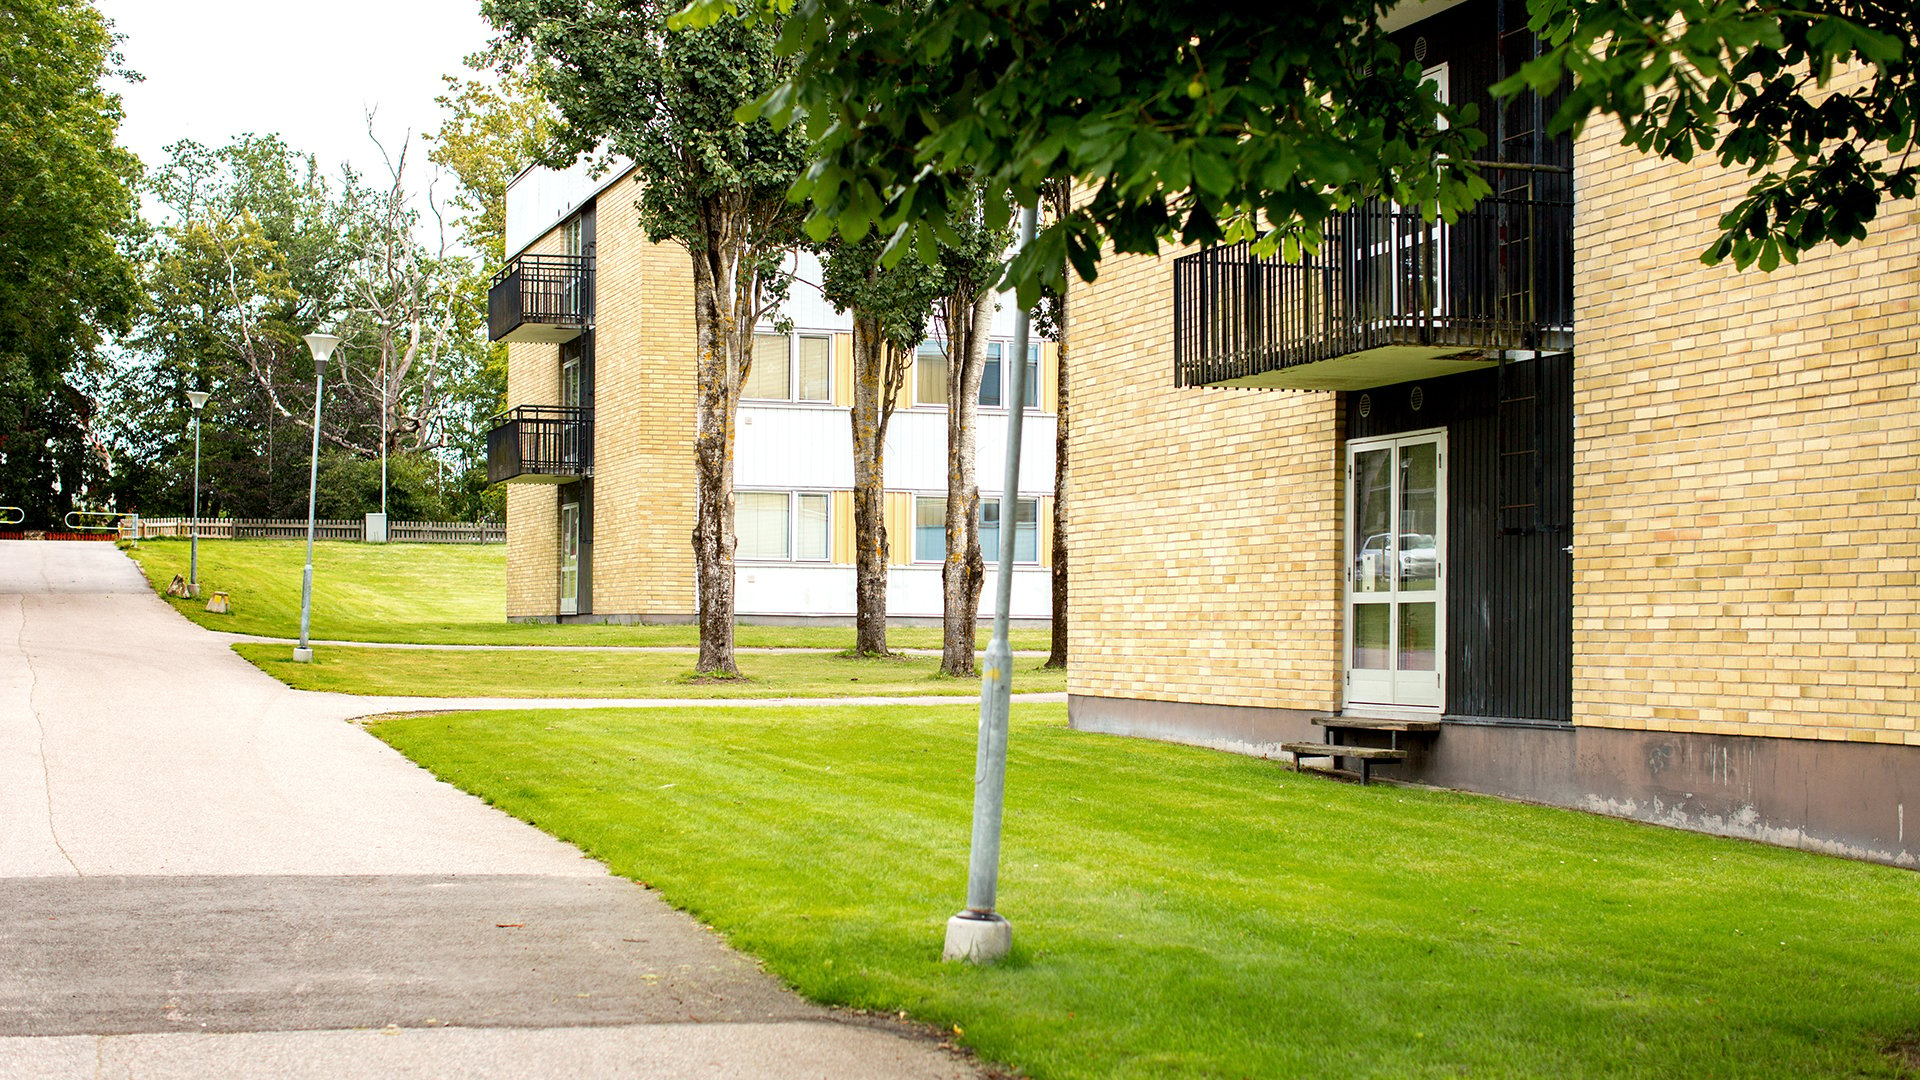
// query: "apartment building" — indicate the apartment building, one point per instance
point(597, 445)
point(1533, 503)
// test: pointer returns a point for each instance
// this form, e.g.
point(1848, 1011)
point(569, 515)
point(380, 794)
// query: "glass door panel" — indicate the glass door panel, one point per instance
point(570, 558)
point(1396, 539)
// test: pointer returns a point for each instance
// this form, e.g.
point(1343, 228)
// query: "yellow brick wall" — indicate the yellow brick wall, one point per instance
point(644, 349)
point(1746, 466)
point(533, 510)
point(1206, 523)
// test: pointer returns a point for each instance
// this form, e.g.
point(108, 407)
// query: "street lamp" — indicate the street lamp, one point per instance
point(322, 346)
point(199, 400)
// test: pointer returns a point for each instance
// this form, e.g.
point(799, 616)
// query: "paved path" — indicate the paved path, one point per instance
point(204, 873)
point(431, 647)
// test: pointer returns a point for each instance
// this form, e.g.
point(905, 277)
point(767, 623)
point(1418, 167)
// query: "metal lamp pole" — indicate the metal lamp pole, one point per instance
point(198, 398)
point(979, 934)
point(321, 346)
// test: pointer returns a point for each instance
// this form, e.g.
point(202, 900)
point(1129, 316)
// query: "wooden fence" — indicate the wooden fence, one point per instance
point(399, 532)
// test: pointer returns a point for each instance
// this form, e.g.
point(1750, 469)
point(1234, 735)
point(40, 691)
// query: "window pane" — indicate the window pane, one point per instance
point(990, 378)
point(929, 530)
point(990, 530)
point(1026, 531)
point(811, 536)
point(1371, 635)
point(760, 523)
point(816, 369)
point(768, 378)
point(1030, 393)
point(1417, 640)
point(930, 375)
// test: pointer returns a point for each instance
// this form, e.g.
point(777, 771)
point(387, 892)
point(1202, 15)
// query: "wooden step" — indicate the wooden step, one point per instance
point(1371, 753)
point(1367, 723)
point(1366, 755)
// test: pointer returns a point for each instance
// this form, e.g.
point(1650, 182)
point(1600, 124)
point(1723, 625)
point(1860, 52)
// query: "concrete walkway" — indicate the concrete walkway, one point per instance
point(204, 873)
point(433, 647)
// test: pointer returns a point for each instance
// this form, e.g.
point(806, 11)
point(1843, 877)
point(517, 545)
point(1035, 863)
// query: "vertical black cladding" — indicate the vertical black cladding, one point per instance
point(1509, 583)
point(588, 244)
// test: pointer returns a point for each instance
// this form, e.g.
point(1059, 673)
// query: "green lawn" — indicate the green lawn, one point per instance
point(1180, 912)
point(561, 673)
point(431, 594)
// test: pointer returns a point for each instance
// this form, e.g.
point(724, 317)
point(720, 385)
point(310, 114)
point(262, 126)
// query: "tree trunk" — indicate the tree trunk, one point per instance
point(872, 408)
point(717, 383)
point(1057, 655)
point(969, 319)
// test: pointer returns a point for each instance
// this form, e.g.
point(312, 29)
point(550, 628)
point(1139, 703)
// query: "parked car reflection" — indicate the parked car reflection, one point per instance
point(1419, 559)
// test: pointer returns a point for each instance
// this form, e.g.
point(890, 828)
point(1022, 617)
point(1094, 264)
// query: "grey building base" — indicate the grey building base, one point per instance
point(1839, 798)
point(684, 619)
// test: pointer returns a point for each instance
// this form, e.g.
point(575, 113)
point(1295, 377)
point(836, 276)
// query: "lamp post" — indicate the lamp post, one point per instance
point(981, 935)
point(322, 346)
point(199, 400)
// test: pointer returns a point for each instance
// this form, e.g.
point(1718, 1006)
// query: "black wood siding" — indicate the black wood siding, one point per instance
point(1509, 576)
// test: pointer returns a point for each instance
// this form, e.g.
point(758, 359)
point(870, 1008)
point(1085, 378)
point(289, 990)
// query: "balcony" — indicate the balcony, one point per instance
point(546, 298)
point(1387, 298)
point(540, 444)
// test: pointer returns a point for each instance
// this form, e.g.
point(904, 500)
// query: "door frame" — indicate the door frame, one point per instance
point(569, 605)
point(1349, 541)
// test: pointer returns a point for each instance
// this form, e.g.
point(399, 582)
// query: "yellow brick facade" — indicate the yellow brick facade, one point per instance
point(643, 487)
point(1746, 535)
point(1206, 523)
point(1746, 463)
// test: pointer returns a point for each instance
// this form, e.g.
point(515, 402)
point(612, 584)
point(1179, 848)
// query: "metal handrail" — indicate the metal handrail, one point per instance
point(18, 517)
point(75, 520)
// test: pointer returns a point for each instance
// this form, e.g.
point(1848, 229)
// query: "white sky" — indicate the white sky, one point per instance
point(303, 69)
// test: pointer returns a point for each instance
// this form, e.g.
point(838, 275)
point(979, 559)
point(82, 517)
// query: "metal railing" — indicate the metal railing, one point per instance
point(540, 441)
point(549, 289)
point(1500, 277)
point(12, 515)
point(416, 532)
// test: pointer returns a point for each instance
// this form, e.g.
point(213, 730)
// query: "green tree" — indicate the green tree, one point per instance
point(890, 308)
point(67, 213)
point(709, 182)
point(1208, 123)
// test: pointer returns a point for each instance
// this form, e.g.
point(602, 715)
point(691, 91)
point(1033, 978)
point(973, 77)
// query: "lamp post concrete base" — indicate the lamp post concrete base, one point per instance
point(302, 656)
point(977, 939)
point(193, 589)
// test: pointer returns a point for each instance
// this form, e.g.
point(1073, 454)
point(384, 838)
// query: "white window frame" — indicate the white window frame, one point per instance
point(793, 526)
point(993, 557)
point(793, 368)
point(945, 356)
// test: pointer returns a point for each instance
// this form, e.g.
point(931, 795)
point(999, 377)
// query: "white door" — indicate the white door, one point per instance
point(569, 558)
point(1396, 571)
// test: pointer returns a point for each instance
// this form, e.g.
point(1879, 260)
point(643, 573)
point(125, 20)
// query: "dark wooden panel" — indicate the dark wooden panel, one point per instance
point(1509, 594)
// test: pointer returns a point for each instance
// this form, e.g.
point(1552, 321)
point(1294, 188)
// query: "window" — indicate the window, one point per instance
point(760, 524)
point(1026, 530)
point(782, 525)
point(571, 236)
point(790, 368)
point(816, 368)
point(992, 391)
point(929, 529)
point(771, 371)
point(930, 374)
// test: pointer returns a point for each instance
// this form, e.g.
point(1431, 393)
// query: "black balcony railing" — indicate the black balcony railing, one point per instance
point(1499, 278)
point(541, 298)
point(550, 444)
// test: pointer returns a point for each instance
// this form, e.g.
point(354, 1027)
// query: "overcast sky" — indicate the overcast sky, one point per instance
point(308, 71)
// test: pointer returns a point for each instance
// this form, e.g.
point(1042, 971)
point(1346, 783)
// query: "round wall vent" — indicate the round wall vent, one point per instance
point(1419, 48)
point(1366, 406)
point(1416, 398)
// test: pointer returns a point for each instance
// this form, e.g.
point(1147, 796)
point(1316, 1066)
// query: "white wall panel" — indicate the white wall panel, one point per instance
point(917, 451)
point(794, 446)
point(790, 589)
point(539, 198)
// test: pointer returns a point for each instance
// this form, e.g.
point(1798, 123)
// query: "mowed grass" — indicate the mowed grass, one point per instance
point(537, 673)
point(433, 594)
point(1184, 913)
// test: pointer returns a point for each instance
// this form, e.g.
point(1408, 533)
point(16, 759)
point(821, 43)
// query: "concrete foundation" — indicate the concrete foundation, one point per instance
point(1840, 798)
point(977, 939)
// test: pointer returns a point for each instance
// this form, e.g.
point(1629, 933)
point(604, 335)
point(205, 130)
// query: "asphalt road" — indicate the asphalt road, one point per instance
point(204, 873)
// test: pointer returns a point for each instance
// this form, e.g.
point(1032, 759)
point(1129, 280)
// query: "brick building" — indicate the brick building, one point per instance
point(1535, 501)
point(597, 445)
